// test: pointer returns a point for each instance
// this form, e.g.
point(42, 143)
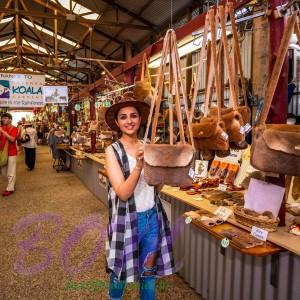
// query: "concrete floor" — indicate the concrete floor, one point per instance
point(52, 240)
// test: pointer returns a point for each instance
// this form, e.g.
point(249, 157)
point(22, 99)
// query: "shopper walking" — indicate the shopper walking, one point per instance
point(9, 134)
point(30, 145)
point(139, 246)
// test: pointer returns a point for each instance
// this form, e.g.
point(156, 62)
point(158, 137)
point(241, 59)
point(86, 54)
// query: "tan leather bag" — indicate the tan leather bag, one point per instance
point(168, 163)
point(276, 147)
point(209, 133)
point(231, 116)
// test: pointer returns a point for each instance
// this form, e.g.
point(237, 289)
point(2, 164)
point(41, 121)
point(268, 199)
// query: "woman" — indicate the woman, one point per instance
point(30, 146)
point(138, 246)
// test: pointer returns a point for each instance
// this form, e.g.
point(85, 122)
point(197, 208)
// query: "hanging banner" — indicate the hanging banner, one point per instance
point(55, 94)
point(21, 90)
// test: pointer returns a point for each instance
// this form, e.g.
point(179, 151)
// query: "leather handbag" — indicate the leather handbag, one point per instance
point(209, 133)
point(276, 147)
point(168, 163)
point(231, 116)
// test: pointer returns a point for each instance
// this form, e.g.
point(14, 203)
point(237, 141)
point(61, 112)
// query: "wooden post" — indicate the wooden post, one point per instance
point(55, 38)
point(17, 28)
point(278, 111)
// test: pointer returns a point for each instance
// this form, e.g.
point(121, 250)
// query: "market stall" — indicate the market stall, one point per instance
point(231, 235)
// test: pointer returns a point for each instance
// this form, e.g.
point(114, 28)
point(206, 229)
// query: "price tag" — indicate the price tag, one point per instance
point(188, 220)
point(259, 233)
point(224, 136)
point(192, 173)
point(222, 187)
point(223, 213)
point(242, 130)
point(247, 128)
point(225, 242)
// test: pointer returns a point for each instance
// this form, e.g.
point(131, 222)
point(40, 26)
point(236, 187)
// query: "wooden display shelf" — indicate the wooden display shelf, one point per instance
point(267, 249)
point(281, 237)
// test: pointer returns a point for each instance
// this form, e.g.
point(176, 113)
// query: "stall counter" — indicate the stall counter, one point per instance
point(214, 274)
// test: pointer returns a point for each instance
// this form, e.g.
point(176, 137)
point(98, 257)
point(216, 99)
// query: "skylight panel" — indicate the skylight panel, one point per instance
point(51, 33)
point(35, 46)
point(6, 20)
point(7, 42)
point(7, 58)
point(78, 9)
point(50, 77)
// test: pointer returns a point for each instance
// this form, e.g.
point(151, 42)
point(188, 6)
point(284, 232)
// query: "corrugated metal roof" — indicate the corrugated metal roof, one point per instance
point(107, 41)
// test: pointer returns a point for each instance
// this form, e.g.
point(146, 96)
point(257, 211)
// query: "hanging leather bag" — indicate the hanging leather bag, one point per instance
point(168, 163)
point(231, 116)
point(276, 147)
point(209, 133)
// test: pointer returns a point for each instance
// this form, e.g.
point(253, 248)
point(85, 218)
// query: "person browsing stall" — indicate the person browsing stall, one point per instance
point(138, 243)
point(30, 146)
point(9, 134)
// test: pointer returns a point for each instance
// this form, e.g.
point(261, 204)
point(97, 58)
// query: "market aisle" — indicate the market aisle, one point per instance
point(45, 211)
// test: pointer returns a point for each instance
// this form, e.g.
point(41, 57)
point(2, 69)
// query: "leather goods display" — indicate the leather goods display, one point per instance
point(276, 147)
point(169, 164)
point(142, 88)
point(209, 133)
point(251, 218)
point(241, 238)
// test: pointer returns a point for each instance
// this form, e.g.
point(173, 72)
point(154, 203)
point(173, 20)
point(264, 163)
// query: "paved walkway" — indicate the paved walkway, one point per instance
point(52, 240)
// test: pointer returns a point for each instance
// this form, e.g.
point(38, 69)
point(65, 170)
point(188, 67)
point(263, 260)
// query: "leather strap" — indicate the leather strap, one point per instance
point(199, 69)
point(145, 73)
point(237, 53)
point(156, 99)
point(176, 83)
point(228, 60)
point(211, 70)
point(273, 79)
point(213, 27)
point(210, 82)
point(176, 69)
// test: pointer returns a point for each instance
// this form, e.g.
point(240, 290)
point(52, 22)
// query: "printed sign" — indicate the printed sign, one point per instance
point(21, 90)
point(201, 168)
point(259, 233)
point(55, 94)
point(223, 213)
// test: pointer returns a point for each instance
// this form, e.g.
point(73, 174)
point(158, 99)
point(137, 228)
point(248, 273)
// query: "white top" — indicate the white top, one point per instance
point(33, 138)
point(143, 193)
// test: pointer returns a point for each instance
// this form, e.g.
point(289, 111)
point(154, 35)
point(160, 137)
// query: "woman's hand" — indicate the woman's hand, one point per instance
point(139, 155)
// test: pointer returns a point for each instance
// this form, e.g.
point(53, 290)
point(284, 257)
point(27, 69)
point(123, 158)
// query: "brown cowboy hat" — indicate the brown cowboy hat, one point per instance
point(111, 113)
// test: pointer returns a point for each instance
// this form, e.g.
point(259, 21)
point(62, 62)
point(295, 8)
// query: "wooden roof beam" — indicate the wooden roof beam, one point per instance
point(131, 14)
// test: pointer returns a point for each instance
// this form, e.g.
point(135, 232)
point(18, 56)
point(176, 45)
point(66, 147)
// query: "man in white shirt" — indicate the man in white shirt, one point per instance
point(30, 146)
